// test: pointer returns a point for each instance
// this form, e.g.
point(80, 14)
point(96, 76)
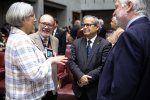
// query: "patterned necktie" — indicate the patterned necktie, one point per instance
point(89, 49)
point(45, 41)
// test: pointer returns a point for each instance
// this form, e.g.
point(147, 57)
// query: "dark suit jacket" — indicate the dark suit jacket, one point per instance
point(80, 65)
point(126, 74)
point(61, 35)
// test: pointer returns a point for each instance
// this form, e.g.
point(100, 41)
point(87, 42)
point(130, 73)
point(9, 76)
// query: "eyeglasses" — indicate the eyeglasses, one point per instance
point(47, 24)
point(87, 25)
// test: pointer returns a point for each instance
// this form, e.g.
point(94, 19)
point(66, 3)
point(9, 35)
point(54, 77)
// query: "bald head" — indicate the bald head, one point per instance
point(46, 18)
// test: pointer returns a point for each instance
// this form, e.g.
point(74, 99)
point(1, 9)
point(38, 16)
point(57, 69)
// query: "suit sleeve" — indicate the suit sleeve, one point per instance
point(73, 65)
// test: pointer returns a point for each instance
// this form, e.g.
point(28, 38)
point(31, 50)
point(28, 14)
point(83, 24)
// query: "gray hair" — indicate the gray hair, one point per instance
point(18, 12)
point(96, 21)
point(139, 6)
point(101, 22)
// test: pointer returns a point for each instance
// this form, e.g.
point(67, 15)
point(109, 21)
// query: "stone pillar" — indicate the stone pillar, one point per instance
point(39, 10)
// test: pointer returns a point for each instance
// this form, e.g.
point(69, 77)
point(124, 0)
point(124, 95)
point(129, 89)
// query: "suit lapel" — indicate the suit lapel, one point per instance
point(57, 33)
point(83, 49)
point(54, 45)
point(39, 41)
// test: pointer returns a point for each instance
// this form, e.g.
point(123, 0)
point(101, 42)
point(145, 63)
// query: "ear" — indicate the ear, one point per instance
point(129, 6)
point(97, 28)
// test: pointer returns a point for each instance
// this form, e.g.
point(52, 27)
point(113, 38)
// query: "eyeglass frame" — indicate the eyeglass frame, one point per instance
point(87, 25)
point(46, 24)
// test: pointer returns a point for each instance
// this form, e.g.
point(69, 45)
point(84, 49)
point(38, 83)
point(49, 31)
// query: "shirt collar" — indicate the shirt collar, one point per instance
point(93, 39)
point(16, 30)
point(55, 29)
point(134, 19)
point(42, 37)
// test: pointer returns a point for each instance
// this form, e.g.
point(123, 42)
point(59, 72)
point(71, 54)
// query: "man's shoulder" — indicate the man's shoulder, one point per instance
point(54, 38)
point(60, 30)
point(103, 41)
point(33, 35)
point(79, 40)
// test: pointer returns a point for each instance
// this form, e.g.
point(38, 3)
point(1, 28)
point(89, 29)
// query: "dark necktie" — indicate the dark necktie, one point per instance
point(89, 49)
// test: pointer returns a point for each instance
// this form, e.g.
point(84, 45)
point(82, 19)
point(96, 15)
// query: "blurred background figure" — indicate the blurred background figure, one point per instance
point(69, 38)
point(80, 32)
point(61, 36)
point(4, 36)
point(116, 31)
point(102, 29)
point(76, 26)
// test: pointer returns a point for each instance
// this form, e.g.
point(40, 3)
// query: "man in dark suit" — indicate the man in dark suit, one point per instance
point(87, 59)
point(61, 36)
point(126, 73)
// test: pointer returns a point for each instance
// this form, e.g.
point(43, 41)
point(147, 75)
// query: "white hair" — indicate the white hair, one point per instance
point(18, 12)
point(139, 6)
point(101, 22)
point(96, 21)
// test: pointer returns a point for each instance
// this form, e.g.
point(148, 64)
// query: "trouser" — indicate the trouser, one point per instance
point(83, 97)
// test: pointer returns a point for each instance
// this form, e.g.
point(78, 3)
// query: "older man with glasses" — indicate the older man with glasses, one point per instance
point(48, 44)
point(127, 69)
point(88, 55)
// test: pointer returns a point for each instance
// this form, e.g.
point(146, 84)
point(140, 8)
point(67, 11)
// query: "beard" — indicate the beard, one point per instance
point(121, 17)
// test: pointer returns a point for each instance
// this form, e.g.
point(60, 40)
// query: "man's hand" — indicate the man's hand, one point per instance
point(84, 80)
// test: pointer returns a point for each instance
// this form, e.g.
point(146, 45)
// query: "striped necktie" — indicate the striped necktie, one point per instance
point(45, 42)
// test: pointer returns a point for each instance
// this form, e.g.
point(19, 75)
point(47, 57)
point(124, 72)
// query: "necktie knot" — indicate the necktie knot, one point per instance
point(89, 42)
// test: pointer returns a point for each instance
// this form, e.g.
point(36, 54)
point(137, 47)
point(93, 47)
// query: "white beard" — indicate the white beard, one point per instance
point(121, 18)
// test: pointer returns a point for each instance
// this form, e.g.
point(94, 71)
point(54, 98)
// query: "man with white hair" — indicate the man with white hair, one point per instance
point(126, 72)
